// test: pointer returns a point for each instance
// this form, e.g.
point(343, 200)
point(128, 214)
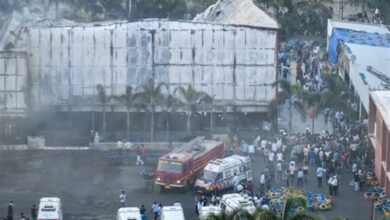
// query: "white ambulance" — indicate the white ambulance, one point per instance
point(128, 213)
point(208, 210)
point(172, 213)
point(50, 209)
point(218, 174)
point(234, 201)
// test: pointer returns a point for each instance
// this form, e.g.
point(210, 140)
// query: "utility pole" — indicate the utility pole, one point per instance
point(341, 13)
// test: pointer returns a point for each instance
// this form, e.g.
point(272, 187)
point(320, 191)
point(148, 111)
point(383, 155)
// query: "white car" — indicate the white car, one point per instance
point(128, 213)
point(172, 213)
point(50, 208)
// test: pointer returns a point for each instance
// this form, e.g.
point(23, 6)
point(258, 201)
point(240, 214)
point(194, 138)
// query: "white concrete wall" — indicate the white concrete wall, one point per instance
point(70, 61)
point(13, 78)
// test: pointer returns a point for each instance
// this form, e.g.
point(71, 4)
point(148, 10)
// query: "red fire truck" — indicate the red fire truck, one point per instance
point(181, 167)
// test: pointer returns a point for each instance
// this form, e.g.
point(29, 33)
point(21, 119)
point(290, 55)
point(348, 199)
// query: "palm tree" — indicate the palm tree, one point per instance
point(286, 94)
point(129, 99)
point(150, 96)
point(308, 104)
point(291, 205)
point(304, 216)
point(169, 104)
point(103, 100)
point(265, 215)
point(314, 13)
point(191, 99)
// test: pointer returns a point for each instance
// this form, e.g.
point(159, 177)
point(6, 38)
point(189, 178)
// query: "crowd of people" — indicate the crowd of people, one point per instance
point(22, 216)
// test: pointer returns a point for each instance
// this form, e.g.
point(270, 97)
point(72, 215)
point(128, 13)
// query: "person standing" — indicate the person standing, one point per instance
point(320, 173)
point(285, 177)
point(292, 170)
point(10, 215)
point(34, 212)
point(155, 210)
point(139, 155)
point(262, 183)
point(279, 170)
point(300, 177)
point(142, 211)
point(198, 207)
point(122, 198)
point(330, 183)
point(143, 153)
point(22, 217)
point(335, 186)
point(305, 170)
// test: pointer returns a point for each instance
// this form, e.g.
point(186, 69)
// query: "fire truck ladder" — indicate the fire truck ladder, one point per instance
point(189, 144)
point(385, 79)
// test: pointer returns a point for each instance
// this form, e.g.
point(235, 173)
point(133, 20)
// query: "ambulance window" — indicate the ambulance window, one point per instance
point(223, 206)
point(242, 169)
point(219, 176)
point(228, 173)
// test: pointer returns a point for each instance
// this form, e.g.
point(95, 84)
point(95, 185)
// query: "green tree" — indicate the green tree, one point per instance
point(103, 100)
point(291, 205)
point(304, 216)
point(149, 99)
point(314, 14)
point(265, 215)
point(129, 100)
point(287, 94)
point(336, 95)
point(169, 104)
point(307, 104)
point(190, 99)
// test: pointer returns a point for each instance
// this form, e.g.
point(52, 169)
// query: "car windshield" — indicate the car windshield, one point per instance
point(170, 166)
point(209, 175)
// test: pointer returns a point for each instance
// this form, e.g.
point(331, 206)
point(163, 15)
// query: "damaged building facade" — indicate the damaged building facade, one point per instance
point(57, 68)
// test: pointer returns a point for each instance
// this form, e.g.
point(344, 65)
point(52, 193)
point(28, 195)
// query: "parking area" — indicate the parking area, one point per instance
point(89, 185)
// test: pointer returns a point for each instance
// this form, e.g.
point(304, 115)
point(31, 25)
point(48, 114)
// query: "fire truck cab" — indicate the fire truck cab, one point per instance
point(180, 168)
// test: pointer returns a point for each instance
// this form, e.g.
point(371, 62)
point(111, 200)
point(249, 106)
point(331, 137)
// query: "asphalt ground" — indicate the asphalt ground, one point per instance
point(89, 185)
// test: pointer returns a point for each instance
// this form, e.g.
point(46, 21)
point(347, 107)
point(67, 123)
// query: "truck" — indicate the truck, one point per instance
point(180, 167)
point(218, 174)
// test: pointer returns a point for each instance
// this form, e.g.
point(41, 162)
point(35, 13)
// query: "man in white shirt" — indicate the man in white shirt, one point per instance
point(274, 147)
point(122, 198)
point(271, 157)
point(263, 144)
point(262, 182)
point(320, 173)
point(300, 177)
point(279, 169)
point(279, 156)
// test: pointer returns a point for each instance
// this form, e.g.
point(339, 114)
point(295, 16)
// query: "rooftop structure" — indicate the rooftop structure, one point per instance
point(362, 52)
point(240, 12)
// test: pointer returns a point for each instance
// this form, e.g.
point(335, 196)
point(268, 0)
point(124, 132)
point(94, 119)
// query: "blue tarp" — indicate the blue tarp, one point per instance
point(355, 37)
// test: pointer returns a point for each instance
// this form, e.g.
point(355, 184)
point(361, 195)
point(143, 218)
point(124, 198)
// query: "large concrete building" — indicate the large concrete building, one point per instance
point(53, 67)
point(379, 135)
point(57, 66)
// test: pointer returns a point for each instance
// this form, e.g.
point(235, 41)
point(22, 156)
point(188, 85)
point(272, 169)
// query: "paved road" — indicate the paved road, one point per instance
point(89, 185)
